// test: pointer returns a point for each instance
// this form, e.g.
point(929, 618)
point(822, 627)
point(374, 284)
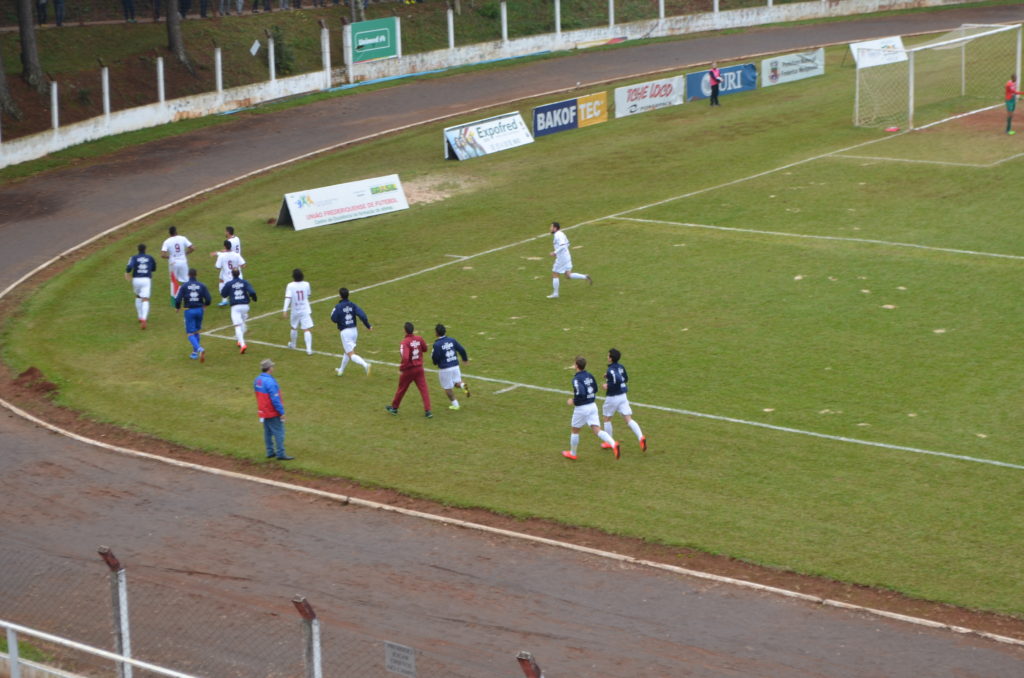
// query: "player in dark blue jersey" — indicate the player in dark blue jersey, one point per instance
point(194, 296)
point(239, 293)
point(344, 315)
point(140, 270)
point(584, 413)
point(615, 384)
point(445, 355)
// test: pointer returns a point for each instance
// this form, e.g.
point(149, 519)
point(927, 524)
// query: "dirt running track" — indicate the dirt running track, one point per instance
point(213, 561)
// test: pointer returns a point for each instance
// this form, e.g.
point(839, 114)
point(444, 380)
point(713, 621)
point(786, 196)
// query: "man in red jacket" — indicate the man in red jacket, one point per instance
point(412, 349)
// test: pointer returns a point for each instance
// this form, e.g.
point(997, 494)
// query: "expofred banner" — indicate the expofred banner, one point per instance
point(648, 96)
point(342, 202)
point(791, 67)
point(742, 78)
point(570, 114)
point(376, 39)
point(482, 137)
point(878, 52)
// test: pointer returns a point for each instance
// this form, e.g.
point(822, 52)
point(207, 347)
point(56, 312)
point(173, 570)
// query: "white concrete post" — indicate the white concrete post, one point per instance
point(54, 113)
point(504, 22)
point(769, 3)
point(218, 71)
point(272, 59)
point(558, 20)
point(161, 96)
point(14, 663)
point(398, 35)
point(119, 597)
point(451, 28)
point(715, 9)
point(661, 9)
point(325, 51)
point(611, 13)
point(346, 51)
point(105, 81)
point(311, 626)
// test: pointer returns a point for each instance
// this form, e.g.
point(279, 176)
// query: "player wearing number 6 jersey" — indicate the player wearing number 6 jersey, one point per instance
point(344, 315)
point(176, 249)
point(296, 296)
point(584, 413)
point(411, 370)
point(140, 270)
point(446, 356)
point(617, 401)
point(239, 292)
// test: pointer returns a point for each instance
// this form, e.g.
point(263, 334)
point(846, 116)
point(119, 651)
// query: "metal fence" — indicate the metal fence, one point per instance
point(160, 618)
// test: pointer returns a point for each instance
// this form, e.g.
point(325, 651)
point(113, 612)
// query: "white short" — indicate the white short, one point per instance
point(563, 264)
point(349, 335)
point(449, 376)
point(239, 314)
point(142, 287)
point(585, 415)
point(303, 320)
point(179, 269)
point(616, 403)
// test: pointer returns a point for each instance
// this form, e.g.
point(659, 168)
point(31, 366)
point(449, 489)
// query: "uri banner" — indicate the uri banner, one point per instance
point(735, 79)
point(342, 202)
point(482, 137)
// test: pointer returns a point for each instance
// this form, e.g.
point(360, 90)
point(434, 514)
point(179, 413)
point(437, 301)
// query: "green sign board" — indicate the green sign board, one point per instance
point(375, 39)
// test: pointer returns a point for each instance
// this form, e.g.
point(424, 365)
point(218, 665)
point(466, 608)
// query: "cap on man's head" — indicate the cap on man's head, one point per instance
point(266, 364)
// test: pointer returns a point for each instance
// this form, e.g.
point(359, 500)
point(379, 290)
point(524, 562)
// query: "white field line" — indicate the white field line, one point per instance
point(521, 536)
point(511, 385)
point(989, 165)
point(841, 238)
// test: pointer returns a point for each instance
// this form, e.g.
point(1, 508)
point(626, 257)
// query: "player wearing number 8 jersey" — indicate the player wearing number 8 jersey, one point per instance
point(140, 270)
point(176, 249)
point(410, 370)
point(296, 296)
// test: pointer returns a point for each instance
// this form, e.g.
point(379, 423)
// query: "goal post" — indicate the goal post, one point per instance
point(951, 75)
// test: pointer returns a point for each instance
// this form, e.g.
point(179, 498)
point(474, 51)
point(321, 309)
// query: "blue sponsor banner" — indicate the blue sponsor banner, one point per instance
point(740, 78)
point(556, 117)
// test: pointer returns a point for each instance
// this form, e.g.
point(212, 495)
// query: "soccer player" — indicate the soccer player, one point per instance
point(228, 260)
point(584, 413)
point(615, 385)
point(410, 370)
point(1011, 101)
point(176, 249)
point(239, 292)
point(344, 315)
point(236, 242)
point(193, 295)
point(563, 261)
point(140, 270)
point(296, 295)
point(271, 410)
point(446, 356)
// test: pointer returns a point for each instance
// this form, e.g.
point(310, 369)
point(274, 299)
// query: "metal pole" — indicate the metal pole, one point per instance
point(504, 22)
point(54, 112)
point(161, 96)
point(856, 92)
point(451, 28)
point(12, 654)
point(119, 595)
point(910, 93)
point(311, 626)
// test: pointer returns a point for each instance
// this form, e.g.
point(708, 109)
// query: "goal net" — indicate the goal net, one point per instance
point(955, 74)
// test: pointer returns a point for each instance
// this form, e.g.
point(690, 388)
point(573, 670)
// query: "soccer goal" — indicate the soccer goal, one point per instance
point(955, 74)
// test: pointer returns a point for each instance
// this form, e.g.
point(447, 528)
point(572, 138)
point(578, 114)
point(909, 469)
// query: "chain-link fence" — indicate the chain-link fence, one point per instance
point(168, 617)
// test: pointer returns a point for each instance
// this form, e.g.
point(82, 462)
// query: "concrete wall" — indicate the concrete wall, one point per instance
point(38, 145)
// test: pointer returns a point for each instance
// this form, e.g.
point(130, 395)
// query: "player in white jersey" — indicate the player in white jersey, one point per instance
point(563, 261)
point(227, 261)
point(236, 242)
point(176, 250)
point(296, 296)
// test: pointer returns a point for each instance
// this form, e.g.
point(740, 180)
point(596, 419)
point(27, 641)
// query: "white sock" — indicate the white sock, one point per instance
point(294, 337)
point(344, 363)
point(240, 334)
point(455, 402)
point(554, 285)
point(359, 361)
point(605, 437)
point(635, 428)
point(608, 427)
point(145, 310)
point(138, 307)
point(578, 276)
point(308, 336)
point(574, 442)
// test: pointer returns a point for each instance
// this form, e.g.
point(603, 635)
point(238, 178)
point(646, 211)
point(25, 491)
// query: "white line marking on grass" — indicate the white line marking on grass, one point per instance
point(457, 256)
point(809, 236)
point(909, 160)
point(506, 390)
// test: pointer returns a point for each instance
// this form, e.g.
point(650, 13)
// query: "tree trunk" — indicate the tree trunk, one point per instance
point(7, 103)
point(31, 71)
point(175, 41)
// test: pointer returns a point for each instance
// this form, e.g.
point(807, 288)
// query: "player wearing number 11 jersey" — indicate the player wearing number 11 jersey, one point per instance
point(296, 296)
point(412, 349)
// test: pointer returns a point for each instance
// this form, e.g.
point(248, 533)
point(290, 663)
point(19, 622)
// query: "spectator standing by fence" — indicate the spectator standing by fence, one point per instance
point(128, 6)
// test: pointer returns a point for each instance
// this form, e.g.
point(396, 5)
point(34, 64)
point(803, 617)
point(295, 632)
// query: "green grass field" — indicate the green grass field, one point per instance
point(809, 312)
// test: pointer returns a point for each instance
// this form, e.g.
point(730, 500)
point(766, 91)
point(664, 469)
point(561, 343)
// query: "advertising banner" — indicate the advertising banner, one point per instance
point(342, 202)
point(648, 96)
point(376, 39)
point(490, 135)
point(570, 114)
point(877, 52)
point(790, 67)
point(742, 78)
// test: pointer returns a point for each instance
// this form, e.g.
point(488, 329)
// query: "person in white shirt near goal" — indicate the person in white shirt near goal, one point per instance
point(563, 261)
point(228, 261)
point(176, 250)
point(296, 296)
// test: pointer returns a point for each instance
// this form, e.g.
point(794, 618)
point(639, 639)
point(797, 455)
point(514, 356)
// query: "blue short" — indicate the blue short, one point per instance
point(193, 320)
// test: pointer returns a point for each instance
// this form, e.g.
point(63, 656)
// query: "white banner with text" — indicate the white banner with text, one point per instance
point(342, 202)
point(482, 137)
point(648, 96)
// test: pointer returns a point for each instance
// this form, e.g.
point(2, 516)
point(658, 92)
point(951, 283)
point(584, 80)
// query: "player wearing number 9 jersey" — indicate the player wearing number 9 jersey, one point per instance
point(410, 370)
point(296, 295)
point(176, 249)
